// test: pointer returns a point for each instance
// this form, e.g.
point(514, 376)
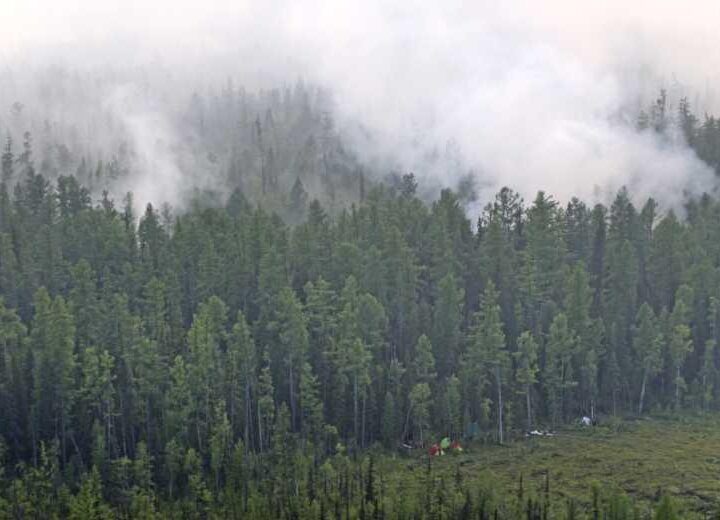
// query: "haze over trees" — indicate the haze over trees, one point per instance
point(226, 359)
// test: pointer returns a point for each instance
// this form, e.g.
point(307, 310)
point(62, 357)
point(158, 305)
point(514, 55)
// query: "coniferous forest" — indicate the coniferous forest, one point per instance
point(264, 355)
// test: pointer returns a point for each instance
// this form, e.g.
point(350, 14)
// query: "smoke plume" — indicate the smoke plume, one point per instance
point(532, 95)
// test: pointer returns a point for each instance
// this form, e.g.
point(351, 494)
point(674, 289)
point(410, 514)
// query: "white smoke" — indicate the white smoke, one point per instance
point(152, 140)
point(527, 103)
point(533, 95)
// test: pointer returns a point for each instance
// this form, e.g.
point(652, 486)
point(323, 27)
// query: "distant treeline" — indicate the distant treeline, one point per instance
point(701, 134)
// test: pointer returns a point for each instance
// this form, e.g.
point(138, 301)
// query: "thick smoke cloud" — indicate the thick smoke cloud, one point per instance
point(533, 95)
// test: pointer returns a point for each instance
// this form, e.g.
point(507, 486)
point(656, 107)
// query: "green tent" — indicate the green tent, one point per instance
point(445, 443)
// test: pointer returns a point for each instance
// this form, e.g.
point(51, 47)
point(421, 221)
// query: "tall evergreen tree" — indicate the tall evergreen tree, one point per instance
point(648, 348)
point(488, 346)
point(527, 370)
point(558, 376)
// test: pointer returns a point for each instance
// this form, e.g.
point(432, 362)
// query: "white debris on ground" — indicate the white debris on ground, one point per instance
point(538, 433)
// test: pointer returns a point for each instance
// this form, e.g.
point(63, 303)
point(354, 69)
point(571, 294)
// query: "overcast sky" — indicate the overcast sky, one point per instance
point(664, 32)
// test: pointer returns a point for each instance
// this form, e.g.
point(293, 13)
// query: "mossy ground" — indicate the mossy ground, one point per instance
point(644, 458)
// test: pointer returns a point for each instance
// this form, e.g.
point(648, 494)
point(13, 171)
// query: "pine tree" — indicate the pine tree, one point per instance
point(96, 392)
point(88, 504)
point(708, 375)
point(13, 380)
point(7, 161)
point(453, 406)
point(220, 442)
point(298, 200)
point(358, 364)
point(85, 305)
point(311, 405)
point(419, 409)
point(527, 369)
point(390, 430)
point(577, 305)
point(52, 339)
point(322, 327)
point(401, 289)
point(558, 376)
point(620, 300)
point(648, 348)
point(424, 361)
point(447, 320)
point(205, 340)
point(421, 392)
point(488, 348)
point(679, 342)
point(291, 326)
point(499, 231)
point(240, 369)
point(543, 260)
point(265, 405)
point(666, 261)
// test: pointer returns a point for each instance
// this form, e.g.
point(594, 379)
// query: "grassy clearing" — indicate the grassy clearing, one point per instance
point(642, 458)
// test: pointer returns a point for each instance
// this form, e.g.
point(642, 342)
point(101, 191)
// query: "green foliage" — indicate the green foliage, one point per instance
point(558, 374)
point(222, 363)
point(666, 510)
point(648, 347)
point(88, 503)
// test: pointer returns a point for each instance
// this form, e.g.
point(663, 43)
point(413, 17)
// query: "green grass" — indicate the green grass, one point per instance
point(642, 458)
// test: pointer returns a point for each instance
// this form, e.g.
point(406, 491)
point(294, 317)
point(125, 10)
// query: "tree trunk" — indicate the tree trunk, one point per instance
point(614, 401)
point(148, 426)
point(500, 404)
point(355, 407)
point(562, 392)
point(62, 430)
point(122, 424)
point(529, 407)
point(34, 441)
point(362, 430)
point(248, 417)
point(642, 393)
point(260, 432)
point(677, 388)
point(197, 431)
point(407, 423)
point(62, 427)
point(292, 398)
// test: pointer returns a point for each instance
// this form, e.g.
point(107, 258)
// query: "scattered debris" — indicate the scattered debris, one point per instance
point(538, 433)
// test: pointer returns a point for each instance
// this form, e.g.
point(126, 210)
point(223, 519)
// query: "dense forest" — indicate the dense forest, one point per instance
point(249, 357)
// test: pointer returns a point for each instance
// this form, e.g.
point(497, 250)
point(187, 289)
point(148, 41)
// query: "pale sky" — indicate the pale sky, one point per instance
point(581, 23)
point(681, 35)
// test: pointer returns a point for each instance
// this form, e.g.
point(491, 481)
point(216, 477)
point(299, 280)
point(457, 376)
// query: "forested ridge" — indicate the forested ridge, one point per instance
point(276, 144)
point(226, 362)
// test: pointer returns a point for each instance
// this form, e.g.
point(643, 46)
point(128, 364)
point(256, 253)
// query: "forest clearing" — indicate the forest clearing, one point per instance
point(645, 459)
